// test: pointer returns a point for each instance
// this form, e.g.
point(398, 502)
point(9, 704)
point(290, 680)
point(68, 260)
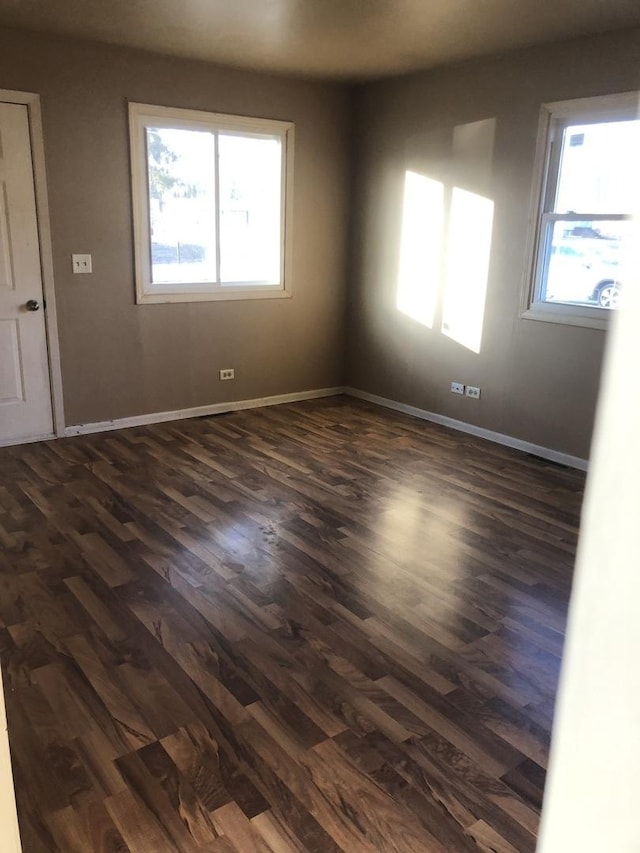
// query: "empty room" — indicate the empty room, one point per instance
point(318, 427)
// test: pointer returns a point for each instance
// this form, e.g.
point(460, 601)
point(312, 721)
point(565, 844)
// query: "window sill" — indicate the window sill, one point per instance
point(236, 294)
point(566, 315)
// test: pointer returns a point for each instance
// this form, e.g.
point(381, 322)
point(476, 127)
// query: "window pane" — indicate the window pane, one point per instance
point(181, 173)
point(599, 168)
point(250, 209)
point(586, 262)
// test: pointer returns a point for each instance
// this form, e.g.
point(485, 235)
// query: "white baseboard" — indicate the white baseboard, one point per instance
point(257, 402)
point(199, 411)
point(471, 429)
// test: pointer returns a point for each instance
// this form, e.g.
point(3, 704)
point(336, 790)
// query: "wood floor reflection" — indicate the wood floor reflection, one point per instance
point(313, 627)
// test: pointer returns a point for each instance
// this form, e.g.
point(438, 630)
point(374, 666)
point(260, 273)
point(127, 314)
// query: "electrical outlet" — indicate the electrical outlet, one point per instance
point(473, 392)
point(457, 388)
point(81, 263)
point(227, 373)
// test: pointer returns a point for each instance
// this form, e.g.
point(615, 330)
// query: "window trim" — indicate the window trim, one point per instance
point(554, 117)
point(142, 116)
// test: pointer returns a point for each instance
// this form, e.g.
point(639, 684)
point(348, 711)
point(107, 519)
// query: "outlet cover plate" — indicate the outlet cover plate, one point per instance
point(81, 264)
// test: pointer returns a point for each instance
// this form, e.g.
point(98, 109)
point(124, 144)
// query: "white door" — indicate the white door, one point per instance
point(25, 393)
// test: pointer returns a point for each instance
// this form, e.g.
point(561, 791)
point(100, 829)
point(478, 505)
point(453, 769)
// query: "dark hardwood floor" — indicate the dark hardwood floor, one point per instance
point(313, 627)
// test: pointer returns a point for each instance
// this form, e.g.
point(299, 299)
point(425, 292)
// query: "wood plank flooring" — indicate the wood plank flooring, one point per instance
point(313, 627)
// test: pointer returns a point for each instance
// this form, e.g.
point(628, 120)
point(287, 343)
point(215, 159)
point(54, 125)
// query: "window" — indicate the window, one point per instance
point(211, 205)
point(589, 185)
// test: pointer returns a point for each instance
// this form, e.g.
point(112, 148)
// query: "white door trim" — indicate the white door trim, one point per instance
point(32, 103)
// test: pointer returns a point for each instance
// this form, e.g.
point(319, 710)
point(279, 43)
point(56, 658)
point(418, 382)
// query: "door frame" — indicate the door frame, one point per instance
point(31, 101)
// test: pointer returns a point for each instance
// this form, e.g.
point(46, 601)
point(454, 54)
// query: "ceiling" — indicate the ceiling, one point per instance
point(343, 39)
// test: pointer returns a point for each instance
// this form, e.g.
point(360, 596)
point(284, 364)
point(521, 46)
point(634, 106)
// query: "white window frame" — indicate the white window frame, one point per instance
point(142, 116)
point(554, 118)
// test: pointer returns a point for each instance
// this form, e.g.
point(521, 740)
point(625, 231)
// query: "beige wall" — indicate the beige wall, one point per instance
point(119, 358)
point(539, 380)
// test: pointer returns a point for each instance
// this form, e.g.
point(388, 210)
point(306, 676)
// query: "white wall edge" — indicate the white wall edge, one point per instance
point(472, 429)
point(8, 813)
point(200, 411)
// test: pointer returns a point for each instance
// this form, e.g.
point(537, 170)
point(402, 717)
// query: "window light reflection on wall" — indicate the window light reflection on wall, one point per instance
point(419, 264)
point(467, 267)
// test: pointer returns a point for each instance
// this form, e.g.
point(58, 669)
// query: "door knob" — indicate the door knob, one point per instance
point(32, 305)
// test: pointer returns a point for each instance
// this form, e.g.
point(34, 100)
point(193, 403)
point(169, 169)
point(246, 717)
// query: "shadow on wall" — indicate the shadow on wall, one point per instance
point(445, 239)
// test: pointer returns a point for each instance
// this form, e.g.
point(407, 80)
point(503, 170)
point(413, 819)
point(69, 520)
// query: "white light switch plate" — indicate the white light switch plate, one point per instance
point(81, 263)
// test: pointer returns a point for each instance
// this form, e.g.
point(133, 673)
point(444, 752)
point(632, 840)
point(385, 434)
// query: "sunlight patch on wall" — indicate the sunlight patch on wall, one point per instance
point(420, 248)
point(467, 267)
